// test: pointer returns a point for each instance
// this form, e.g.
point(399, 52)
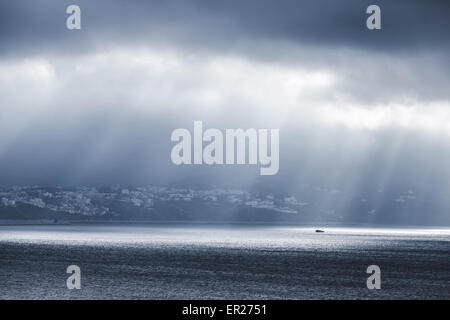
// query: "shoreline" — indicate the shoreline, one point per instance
point(49, 222)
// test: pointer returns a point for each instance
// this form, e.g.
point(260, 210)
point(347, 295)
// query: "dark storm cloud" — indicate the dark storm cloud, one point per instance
point(36, 26)
point(401, 60)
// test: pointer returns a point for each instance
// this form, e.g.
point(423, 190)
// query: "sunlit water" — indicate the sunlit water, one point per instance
point(219, 262)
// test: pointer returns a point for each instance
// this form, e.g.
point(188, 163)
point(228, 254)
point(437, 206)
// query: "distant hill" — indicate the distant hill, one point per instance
point(215, 205)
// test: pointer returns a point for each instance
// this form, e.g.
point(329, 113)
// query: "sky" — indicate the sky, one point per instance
point(360, 111)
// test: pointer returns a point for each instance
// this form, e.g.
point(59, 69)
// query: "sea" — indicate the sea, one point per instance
point(205, 261)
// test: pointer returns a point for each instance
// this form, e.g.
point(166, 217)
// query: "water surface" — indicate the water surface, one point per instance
point(222, 262)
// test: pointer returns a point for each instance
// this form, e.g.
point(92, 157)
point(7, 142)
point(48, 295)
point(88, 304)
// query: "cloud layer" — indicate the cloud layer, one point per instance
point(358, 110)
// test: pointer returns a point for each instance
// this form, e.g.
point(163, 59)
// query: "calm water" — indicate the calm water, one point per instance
point(217, 262)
